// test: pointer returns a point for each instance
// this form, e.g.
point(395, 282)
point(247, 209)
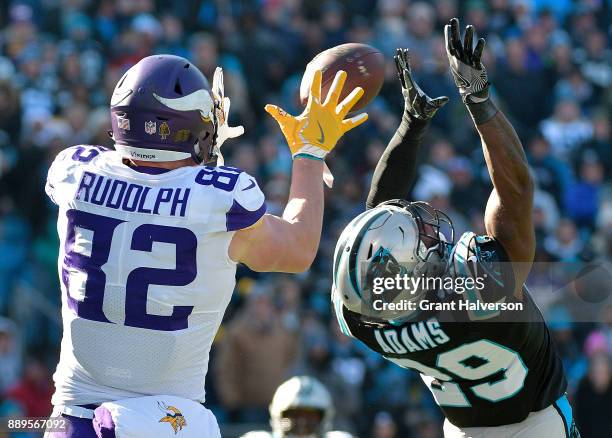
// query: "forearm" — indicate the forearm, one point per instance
point(504, 156)
point(304, 209)
point(288, 243)
point(396, 169)
point(508, 215)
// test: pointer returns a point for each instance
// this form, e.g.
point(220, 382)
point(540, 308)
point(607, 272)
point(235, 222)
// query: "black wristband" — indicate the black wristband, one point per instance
point(482, 112)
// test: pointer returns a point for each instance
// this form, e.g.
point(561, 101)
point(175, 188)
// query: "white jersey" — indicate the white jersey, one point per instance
point(144, 271)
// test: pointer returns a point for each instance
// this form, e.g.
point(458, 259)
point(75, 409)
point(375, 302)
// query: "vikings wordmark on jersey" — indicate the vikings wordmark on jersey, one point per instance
point(145, 272)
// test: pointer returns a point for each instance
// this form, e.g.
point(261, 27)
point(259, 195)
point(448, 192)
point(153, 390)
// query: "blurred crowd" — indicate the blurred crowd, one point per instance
point(550, 65)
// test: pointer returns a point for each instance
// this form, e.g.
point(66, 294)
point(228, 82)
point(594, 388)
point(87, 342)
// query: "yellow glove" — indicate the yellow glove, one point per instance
point(315, 132)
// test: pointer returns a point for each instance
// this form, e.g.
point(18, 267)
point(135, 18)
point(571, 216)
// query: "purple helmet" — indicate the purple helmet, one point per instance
point(163, 109)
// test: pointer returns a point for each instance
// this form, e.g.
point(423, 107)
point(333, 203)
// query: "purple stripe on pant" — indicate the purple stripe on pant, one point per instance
point(75, 428)
point(103, 423)
point(102, 426)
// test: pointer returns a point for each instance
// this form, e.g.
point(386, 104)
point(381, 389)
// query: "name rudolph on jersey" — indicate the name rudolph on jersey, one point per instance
point(418, 336)
point(131, 197)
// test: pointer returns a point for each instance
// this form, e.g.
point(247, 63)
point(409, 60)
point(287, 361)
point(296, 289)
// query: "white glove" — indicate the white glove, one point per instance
point(222, 106)
point(468, 72)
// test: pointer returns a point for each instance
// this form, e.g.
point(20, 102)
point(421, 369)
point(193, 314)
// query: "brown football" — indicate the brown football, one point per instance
point(364, 66)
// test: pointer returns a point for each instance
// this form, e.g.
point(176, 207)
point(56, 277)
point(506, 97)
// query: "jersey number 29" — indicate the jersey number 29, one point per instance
point(475, 361)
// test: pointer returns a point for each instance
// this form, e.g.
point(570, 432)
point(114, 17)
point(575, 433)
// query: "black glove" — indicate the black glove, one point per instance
point(416, 102)
point(468, 72)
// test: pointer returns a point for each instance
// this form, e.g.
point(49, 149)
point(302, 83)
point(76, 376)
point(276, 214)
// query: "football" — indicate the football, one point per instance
point(363, 64)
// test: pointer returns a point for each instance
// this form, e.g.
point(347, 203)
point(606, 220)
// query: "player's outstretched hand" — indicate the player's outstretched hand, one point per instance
point(416, 102)
point(315, 132)
point(468, 72)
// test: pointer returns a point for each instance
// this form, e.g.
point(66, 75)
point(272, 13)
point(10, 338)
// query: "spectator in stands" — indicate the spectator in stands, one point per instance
point(566, 129)
point(600, 143)
point(467, 195)
point(254, 357)
point(516, 73)
point(574, 87)
point(566, 244)
point(14, 241)
point(545, 215)
point(594, 398)
point(384, 426)
point(10, 355)
point(561, 324)
point(34, 390)
point(582, 196)
point(596, 62)
point(551, 173)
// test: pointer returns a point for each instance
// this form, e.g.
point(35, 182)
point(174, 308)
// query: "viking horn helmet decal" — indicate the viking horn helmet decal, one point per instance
point(198, 100)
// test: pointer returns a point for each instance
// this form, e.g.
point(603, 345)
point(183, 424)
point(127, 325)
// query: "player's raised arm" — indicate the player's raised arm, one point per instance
point(396, 168)
point(290, 243)
point(508, 216)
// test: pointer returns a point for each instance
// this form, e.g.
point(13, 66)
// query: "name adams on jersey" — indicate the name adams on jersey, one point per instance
point(483, 367)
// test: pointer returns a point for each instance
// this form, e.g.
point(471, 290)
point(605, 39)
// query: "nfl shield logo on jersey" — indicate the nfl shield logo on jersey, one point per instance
point(150, 127)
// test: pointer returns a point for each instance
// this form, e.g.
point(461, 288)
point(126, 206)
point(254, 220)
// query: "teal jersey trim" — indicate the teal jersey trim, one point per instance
point(308, 156)
point(565, 410)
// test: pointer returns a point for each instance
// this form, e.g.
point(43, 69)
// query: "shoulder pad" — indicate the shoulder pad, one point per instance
point(474, 255)
point(230, 199)
point(248, 203)
point(484, 259)
point(62, 171)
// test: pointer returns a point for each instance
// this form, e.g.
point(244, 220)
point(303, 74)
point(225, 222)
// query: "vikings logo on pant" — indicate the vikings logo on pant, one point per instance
point(173, 416)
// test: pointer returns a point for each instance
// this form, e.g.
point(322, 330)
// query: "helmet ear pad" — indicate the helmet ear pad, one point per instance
point(204, 147)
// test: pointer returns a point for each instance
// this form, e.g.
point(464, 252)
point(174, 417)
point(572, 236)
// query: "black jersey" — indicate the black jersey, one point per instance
point(484, 366)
